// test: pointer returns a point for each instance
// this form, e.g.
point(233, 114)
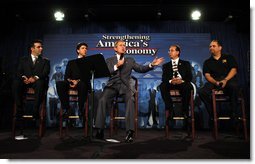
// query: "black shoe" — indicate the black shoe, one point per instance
point(129, 137)
point(100, 134)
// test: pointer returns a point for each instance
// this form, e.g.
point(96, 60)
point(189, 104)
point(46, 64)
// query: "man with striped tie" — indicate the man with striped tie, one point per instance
point(176, 75)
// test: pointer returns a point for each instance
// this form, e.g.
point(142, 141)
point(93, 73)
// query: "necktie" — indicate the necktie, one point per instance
point(34, 60)
point(175, 69)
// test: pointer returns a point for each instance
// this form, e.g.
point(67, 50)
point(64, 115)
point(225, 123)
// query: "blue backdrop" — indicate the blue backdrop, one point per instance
point(144, 47)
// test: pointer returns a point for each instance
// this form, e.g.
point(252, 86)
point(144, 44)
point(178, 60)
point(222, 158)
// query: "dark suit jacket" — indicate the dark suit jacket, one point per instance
point(124, 74)
point(75, 70)
point(40, 69)
point(184, 69)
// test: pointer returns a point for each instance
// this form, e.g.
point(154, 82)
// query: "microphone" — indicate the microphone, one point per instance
point(121, 56)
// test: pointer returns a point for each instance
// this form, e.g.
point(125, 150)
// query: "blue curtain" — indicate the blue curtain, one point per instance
point(15, 40)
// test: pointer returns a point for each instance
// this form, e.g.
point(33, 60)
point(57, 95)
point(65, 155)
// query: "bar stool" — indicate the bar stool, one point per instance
point(176, 98)
point(114, 114)
point(218, 96)
point(29, 95)
point(73, 97)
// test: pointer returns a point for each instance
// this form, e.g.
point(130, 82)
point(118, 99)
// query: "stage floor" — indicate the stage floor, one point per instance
point(149, 144)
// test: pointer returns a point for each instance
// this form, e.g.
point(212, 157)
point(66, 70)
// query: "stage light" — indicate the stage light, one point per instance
point(159, 14)
point(86, 16)
point(229, 18)
point(195, 15)
point(59, 16)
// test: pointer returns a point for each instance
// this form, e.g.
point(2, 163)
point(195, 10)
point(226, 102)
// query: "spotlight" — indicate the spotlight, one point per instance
point(195, 15)
point(86, 16)
point(59, 16)
point(230, 16)
point(159, 13)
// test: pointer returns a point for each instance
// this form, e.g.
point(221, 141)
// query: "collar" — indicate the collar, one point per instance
point(176, 61)
point(118, 56)
point(34, 57)
point(80, 56)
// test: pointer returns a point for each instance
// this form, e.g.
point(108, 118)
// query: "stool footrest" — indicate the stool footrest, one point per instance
point(178, 118)
point(119, 118)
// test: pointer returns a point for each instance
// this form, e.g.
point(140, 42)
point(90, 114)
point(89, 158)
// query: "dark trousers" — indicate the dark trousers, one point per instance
point(19, 89)
point(63, 88)
point(231, 89)
point(105, 103)
point(184, 88)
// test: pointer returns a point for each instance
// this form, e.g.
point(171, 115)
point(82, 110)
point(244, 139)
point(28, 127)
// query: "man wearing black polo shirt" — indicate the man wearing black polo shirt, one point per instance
point(220, 71)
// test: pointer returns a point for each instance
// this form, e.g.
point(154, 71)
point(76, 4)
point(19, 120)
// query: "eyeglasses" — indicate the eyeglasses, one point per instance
point(170, 51)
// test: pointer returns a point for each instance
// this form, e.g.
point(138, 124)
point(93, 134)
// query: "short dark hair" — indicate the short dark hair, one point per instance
point(81, 44)
point(32, 44)
point(217, 41)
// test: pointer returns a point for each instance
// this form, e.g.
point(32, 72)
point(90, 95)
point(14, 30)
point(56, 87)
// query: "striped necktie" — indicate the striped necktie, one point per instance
point(175, 69)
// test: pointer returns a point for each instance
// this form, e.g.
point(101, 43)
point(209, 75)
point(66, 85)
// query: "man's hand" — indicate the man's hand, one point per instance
point(176, 81)
point(25, 80)
point(224, 83)
point(73, 83)
point(31, 80)
point(157, 61)
point(120, 63)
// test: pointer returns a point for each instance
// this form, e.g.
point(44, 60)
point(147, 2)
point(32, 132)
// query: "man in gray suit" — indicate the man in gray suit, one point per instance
point(120, 68)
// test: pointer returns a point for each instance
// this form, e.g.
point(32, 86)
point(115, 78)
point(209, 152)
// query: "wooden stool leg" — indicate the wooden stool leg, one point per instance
point(244, 120)
point(41, 119)
point(215, 119)
point(167, 123)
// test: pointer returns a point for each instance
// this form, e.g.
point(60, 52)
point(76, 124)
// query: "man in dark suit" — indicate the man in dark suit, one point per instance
point(73, 79)
point(120, 68)
point(176, 75)
point(32, 71)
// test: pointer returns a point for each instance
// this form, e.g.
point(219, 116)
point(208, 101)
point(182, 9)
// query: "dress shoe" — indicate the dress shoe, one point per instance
point(100, 134)
point(129, 137)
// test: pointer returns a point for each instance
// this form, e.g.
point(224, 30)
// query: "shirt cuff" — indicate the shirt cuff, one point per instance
point(36, 77)
point(150, 65)
point(115, 67)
